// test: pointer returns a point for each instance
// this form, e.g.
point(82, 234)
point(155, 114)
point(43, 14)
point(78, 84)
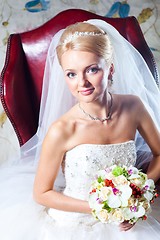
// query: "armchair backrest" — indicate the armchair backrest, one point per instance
point(22, 75)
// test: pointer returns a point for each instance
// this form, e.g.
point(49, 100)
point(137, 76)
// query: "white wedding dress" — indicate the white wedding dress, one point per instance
point(26, 220)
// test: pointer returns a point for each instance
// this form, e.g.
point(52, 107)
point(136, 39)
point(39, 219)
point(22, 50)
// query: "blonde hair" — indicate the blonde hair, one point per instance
point(86, 37)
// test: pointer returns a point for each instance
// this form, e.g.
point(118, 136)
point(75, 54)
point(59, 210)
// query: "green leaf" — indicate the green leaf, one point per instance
point(100, 179)
point(105, 206)
point(117, 171)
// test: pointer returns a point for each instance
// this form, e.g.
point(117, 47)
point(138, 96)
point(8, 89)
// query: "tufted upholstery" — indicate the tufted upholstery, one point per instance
point(22, 75)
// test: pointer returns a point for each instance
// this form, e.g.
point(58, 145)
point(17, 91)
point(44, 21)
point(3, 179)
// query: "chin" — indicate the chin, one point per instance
point(85, 99)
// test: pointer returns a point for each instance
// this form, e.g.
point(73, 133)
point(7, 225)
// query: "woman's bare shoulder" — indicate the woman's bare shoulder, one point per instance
point(62, 129)
point(129, 100)
point(124, 97)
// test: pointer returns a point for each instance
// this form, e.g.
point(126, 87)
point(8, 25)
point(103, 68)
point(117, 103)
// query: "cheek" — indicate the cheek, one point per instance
point(71, 85)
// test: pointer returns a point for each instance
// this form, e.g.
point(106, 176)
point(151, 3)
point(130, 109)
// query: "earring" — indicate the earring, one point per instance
point(110, 76)
point(110, 79)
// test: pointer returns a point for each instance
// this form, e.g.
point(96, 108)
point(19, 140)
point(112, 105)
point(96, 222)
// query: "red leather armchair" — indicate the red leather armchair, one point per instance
point(22, 75)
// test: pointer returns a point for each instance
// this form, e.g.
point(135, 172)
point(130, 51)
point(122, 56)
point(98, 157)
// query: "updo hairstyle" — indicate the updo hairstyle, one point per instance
point(86, 37)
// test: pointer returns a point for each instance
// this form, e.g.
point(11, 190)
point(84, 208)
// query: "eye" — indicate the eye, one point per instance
point(71, 75)
point(93, 70)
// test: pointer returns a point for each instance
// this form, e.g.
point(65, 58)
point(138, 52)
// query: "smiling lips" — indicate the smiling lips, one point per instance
point(87, 91)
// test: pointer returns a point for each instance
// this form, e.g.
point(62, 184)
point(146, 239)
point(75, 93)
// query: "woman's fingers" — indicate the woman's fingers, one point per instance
point(125, 226)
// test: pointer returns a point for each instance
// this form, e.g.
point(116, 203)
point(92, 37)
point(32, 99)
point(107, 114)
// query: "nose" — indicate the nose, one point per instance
point(82, 80)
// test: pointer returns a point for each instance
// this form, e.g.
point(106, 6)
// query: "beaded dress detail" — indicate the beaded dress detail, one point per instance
point(83, 161)
point(81, 164)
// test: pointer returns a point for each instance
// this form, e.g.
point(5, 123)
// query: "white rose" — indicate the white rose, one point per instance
point(105, 192)
point(120, 180)
point(117, 215)
point(103, 216)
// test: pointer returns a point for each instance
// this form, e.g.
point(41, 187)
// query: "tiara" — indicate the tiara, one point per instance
point(89, 33)
point(82, 34)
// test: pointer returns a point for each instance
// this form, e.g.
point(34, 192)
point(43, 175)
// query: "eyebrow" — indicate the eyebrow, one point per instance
point(70, 70)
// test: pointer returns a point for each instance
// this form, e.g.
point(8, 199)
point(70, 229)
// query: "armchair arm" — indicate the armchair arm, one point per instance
point(14, 90)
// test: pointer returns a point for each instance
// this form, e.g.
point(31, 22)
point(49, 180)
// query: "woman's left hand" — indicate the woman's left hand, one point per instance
point(125, 226)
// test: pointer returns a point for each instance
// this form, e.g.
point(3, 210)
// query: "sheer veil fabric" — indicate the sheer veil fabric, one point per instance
point(132, 76)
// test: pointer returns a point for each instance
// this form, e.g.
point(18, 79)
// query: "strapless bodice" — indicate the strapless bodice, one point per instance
point(81, 164)
point(83, 161)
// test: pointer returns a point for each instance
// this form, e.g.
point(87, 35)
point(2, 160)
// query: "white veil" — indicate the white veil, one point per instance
point(132, 76)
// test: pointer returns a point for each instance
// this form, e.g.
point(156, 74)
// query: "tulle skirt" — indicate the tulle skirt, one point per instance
point(23, 219)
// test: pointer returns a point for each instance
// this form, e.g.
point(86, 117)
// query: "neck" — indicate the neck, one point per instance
point(98, 110)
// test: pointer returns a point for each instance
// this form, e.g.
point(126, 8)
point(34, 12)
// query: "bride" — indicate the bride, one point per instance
point(99, 107)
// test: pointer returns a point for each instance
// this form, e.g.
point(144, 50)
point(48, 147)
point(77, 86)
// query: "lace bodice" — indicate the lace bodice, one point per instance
point(83, 161)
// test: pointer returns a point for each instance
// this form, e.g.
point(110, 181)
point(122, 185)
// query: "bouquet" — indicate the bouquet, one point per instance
point(121, 194)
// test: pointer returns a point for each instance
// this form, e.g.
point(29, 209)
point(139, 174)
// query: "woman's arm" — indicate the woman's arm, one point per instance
point(151, 135)
point(154, 168)
point(53, 150)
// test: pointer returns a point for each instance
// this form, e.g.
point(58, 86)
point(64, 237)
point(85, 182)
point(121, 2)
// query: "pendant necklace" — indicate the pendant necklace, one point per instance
point(97, 118)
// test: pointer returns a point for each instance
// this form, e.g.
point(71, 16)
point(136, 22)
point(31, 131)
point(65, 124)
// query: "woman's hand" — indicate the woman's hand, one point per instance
point(125, 226)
